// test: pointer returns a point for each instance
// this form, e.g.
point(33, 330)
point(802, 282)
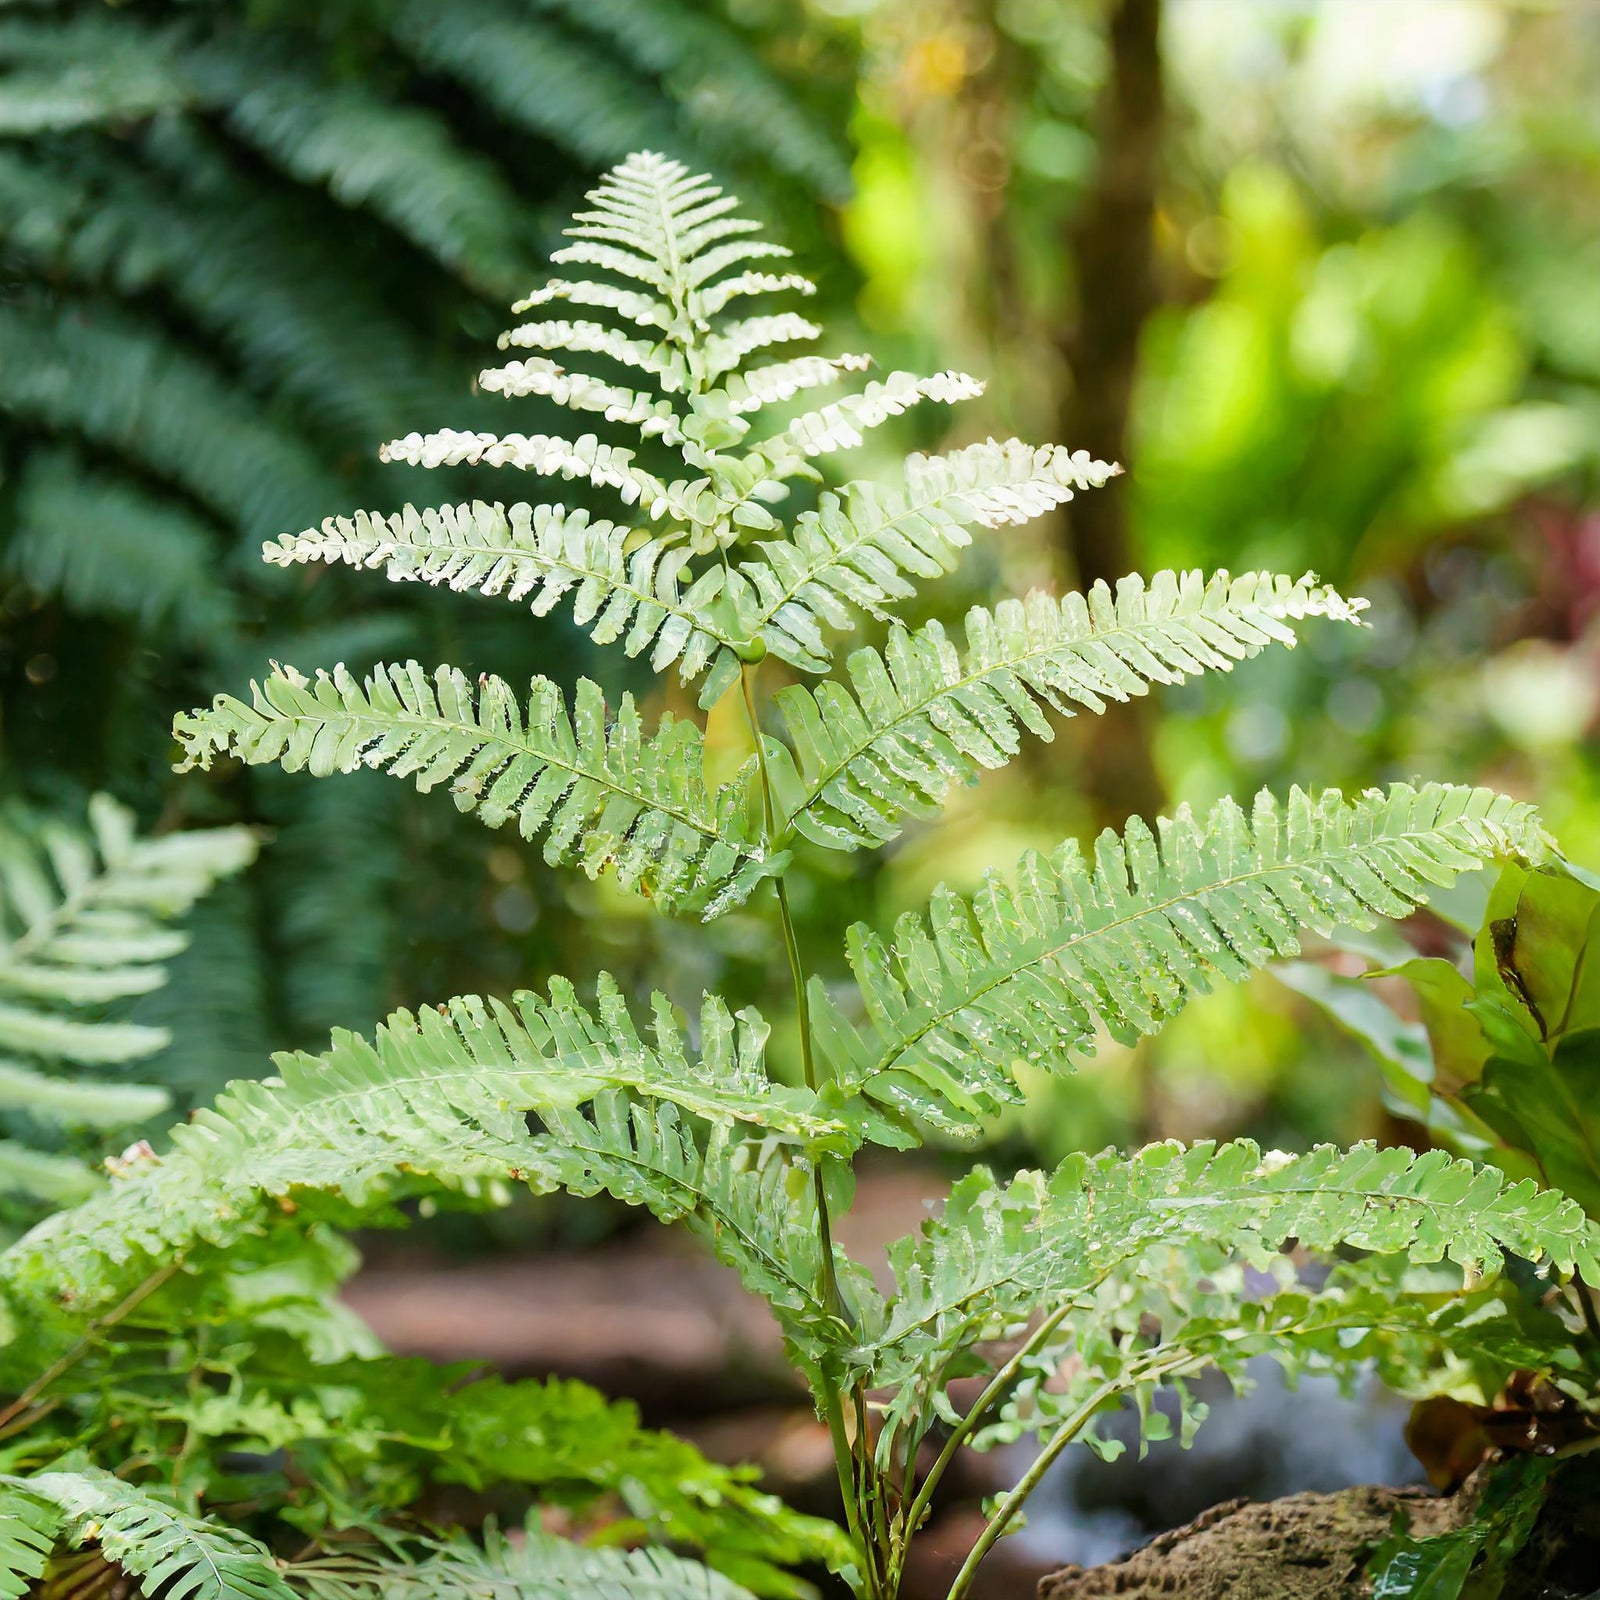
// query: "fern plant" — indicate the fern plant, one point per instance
point(1066, 1293)
point(84, 929)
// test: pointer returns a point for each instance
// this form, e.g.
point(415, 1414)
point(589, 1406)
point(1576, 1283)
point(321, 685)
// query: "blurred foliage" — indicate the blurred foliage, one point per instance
point(241, 243)
point(1374, 357)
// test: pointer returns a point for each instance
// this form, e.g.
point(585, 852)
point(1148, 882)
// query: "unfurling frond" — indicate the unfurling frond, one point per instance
point(187, 1557)
point(605, 793)
point(922, 718)
point(854, 552)
point(1026, 970)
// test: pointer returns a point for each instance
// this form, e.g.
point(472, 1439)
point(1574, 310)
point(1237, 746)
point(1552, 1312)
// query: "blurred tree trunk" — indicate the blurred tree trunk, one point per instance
point(1112, 248)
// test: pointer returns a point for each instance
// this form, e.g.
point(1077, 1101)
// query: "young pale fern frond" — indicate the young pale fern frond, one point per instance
point(1027, 970)
point(920, 718)
point(540, 554)
point(674, 254)
point(854, 552)
point(604, 792)
point(538, 77)
point(189, 1558)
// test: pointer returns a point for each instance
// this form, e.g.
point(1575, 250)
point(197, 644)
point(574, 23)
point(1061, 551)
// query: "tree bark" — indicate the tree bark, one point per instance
point(1112, 247)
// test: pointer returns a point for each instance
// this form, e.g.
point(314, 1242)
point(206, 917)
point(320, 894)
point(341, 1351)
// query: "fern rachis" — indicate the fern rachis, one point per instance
point(1132, 1267)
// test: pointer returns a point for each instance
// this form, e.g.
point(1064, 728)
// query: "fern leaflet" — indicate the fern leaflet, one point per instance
point(190, 1558)
point(82, 926)
point(853, 552)
point(922, 718)
point(605, 793)
point(540, 554)
point(536, 1567)
point(1023, 972)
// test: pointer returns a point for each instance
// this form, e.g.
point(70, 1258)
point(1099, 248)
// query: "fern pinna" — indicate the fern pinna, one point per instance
point(1068, 1293)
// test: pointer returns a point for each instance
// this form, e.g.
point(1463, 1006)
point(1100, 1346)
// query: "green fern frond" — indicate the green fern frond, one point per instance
point(177, 215)
point(76, 1104)
point(536, 1567)
point(443, 1100)
point(750, 1207)
point(571, 1444)
point(852, 553)
point(1000, 1252)
point(1187, 1310)
point(606, 794)
point(84, 71)
point(82, 926)
point(401, 161)
point(922, 718)
point(1025, 971)
point(151, 561)
point(537, 77)
point(119, 382)
point(727, 94)
point(539, 554)
point(28, 1528)
point(187, 1557)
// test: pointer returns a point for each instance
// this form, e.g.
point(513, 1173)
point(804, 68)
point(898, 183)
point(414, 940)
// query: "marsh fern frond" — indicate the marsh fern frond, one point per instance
point(603, 791)
point(921, 716)
point(1029, 968)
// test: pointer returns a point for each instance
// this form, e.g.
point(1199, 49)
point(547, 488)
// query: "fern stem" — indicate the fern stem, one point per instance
point(844, 1462)
point(71, 1357)
point(1585, 1298)
point(797, 973)
point(858, 1482)
point(1069, 1430)
point(964, 1429)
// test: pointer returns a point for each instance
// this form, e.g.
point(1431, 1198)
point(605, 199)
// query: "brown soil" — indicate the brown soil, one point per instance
point(1316, 1547)
point(1303, 1547)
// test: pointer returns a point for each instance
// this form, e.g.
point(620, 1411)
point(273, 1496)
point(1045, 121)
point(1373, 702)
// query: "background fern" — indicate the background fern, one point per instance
point(85, 914)
point(237, 246)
